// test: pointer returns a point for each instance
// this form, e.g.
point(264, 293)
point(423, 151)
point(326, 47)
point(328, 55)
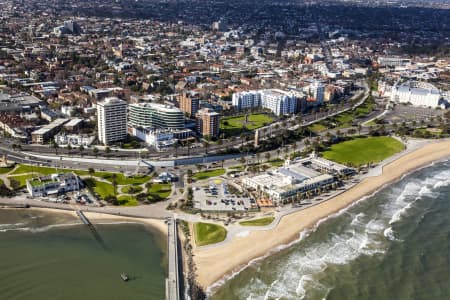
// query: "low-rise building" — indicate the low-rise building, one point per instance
point(160, 139)
point(45, 133)
point(74, 140)
point(53, 184)
point(295, 181)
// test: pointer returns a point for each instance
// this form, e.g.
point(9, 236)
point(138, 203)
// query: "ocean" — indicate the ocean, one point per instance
point(52, 256)
point(393, 245)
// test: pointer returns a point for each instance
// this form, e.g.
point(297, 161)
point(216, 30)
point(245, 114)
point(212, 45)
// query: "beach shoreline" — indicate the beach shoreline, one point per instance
point(212, 269)
point(104, 218)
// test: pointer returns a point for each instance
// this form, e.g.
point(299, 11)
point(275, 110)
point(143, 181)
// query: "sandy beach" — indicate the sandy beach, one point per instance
point(214, 263)
point(95, 217)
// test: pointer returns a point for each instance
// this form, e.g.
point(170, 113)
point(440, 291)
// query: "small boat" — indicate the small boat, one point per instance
point(124, 277)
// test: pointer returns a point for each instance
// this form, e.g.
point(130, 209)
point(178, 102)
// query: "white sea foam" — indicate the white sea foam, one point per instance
point(40, 229)
point(389, 234)
point(358, 219)
point(298, 274)
point(13, 225)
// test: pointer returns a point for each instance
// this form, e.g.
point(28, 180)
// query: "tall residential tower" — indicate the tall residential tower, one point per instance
point(112, 120)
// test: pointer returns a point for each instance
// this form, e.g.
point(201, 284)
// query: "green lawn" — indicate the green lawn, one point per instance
point(160, 191)
point(131, 189)
point(276, 162)
point(6, 170)
point(44, 170)
point(127, 200)
point(371, 123)
point(234, 125)
point(206, 233)
point(237, 168)
point(317, 127)
point(258, 222)
point(121, 179)
point(344, 120)
point(103, 189)
point(208, 174)
point(22, 179)
point(363, 150)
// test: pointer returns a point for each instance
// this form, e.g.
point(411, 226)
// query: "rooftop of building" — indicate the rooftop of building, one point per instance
point(158, 106)
point(111, 101)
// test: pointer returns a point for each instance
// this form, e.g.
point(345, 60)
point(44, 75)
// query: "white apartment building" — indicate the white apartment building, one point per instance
point(278, 101)
point(315, 92)
point(393, 61)
point(112, 120)
point(416, 93)
point(247, 100)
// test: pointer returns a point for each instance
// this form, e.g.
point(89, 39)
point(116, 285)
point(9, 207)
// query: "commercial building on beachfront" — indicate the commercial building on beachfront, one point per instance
point(297, 180)
point(53, 184)
point(154, 115)
point(112, 120)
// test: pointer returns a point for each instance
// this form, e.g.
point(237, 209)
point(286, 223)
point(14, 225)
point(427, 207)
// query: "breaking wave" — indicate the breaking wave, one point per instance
point(367, 233)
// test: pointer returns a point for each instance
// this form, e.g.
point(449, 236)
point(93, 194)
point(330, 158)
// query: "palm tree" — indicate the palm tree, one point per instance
point(206, 145)
point(242, 136)
point(114, 183)
point(55, 146)
point(91, 172)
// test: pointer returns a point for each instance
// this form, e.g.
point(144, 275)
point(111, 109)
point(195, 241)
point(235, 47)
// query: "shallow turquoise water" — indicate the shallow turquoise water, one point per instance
point(394, 245)
point(47, 256)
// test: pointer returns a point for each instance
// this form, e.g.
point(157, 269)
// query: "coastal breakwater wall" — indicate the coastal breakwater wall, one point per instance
point(174, 281)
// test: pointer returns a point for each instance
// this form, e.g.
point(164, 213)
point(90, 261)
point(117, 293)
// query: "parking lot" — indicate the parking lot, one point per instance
point(407, 113)
point(216, 197)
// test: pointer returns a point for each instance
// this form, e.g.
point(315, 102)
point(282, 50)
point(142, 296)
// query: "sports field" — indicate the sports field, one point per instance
point(363, 150)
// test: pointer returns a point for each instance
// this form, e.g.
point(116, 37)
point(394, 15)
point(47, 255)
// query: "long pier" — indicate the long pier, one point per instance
point(83, 218)
point(97, 236)
point(173, 291)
